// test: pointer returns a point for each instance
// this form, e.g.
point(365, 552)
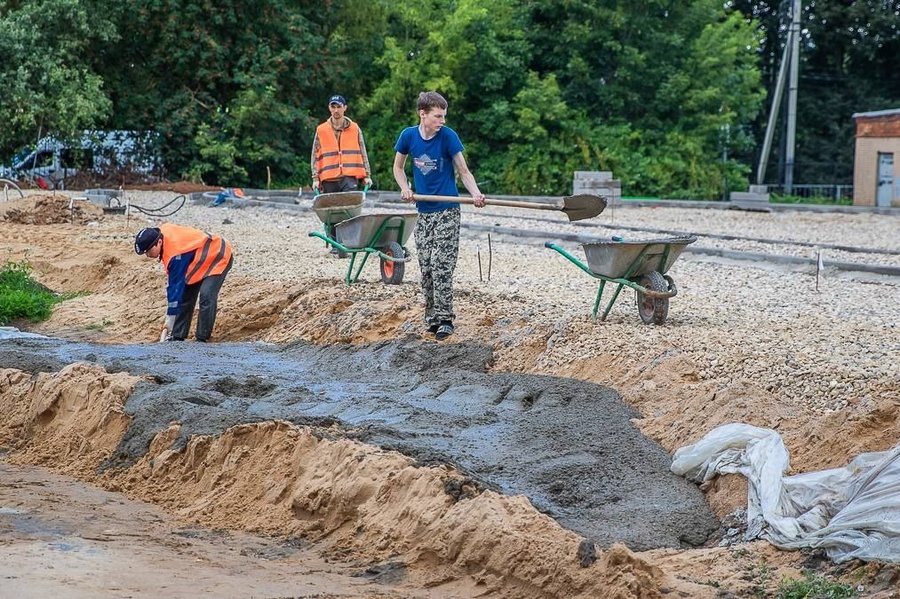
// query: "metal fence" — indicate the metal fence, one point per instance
point(834, 192)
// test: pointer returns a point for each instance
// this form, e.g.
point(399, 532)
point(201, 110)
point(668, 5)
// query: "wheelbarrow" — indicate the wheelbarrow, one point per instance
point(640, 265)
point(383, 235)
point(333, 208)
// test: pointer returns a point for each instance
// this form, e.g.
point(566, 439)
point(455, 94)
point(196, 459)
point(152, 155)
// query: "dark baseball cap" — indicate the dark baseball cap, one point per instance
point(145, 239)
point(336, 99)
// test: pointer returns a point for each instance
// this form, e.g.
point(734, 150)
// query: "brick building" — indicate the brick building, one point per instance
point(876, 168)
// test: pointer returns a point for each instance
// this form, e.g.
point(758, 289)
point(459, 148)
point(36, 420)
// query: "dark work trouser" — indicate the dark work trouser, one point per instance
point(207, 290)
point(340, 184)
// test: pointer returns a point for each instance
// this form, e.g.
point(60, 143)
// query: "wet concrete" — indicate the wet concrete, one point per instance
point(569, 446)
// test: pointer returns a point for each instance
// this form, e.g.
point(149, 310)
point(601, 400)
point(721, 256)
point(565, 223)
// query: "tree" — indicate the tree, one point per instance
point(48, 82)
point(474, 55)
point(678, 81)
point(229, 84)
point(847, 64)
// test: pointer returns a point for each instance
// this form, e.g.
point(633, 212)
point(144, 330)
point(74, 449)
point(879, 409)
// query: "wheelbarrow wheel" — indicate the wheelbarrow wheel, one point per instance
point(653, 310)
point(392, 272)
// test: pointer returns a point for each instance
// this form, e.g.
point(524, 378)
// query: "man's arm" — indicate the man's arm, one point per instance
point(365, 156)
point(406, 193)
point(177, 267)
point(468, 179)
point(312, 161)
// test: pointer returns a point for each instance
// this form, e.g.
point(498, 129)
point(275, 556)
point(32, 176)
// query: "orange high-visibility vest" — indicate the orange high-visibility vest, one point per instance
point(332, 161)
point(213, 252)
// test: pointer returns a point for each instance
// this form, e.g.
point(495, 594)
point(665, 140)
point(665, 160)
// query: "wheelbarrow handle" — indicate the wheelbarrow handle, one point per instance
point(318, 193)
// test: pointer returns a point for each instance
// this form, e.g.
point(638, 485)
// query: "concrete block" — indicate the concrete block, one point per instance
point(750, 201)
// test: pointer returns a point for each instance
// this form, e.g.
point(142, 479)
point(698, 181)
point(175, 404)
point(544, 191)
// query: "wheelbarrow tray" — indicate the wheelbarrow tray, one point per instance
point(332, 208)
point(359, 232)
point(618, 259)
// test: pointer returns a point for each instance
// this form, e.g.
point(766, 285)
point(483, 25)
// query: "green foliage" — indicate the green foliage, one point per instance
point(21, 296)
point(814, 587)
point(46, 77)
point(847, 65)
point(474, 56)
point(667, 95)
point(229, 85)
point(548, 142)
point(238, 145)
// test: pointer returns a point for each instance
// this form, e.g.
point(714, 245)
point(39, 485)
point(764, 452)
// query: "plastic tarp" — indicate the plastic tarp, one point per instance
point(849, 512)
point(14, 333)
point(230, 193)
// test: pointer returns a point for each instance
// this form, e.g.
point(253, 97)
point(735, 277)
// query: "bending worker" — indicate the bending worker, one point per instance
point(339, 158)
point(196, 263)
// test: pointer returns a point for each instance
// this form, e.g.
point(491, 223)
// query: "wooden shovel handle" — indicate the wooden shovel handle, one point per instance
point(489, 201)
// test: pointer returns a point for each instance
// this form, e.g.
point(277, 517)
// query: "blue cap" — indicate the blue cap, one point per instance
point(336, 99)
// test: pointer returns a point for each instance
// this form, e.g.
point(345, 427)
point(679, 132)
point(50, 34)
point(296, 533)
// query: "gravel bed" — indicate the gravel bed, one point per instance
point(800, 235)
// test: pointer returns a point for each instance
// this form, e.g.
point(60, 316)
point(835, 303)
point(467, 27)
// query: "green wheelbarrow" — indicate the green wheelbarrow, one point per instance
point(640, 265)
point(383, 235)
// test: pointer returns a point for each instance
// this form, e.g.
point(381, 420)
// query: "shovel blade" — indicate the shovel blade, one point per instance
point(583, 206)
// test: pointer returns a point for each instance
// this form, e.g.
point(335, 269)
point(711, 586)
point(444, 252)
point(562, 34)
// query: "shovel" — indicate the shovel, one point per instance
point(577, 207)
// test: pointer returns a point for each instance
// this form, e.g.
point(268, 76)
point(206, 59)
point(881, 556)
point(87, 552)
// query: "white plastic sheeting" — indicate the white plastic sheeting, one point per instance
point(850, 512)
point(14, 333)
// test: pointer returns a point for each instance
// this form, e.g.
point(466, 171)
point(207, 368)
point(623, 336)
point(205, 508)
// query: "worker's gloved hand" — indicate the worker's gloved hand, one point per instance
point(170, 323)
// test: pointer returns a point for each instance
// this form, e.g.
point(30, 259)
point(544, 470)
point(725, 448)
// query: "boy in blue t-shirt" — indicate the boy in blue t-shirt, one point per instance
point(437, 159)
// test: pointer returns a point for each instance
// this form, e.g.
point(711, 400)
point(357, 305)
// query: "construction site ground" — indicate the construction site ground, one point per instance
point(325, 445)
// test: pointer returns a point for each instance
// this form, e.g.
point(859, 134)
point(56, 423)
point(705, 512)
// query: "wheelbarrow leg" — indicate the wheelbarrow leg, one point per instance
point(609, 305)
point(612, 301)
point(348, 279)
point(597, 300)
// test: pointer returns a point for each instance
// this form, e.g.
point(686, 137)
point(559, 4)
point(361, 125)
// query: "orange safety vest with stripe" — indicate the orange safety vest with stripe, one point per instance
point(346, 160)
point(212, 253)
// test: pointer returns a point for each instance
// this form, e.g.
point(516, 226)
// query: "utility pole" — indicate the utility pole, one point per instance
point(792, 100)
point(790, 56)
point(773, 114)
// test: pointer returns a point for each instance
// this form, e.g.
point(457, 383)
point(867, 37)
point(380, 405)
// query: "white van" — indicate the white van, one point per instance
point(102, 152)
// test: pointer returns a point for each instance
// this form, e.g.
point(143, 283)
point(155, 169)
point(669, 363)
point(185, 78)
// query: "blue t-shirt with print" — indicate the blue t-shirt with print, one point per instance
point(433, 172)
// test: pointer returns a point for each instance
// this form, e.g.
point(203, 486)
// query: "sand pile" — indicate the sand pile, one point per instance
point(357, 501)
point(49, 210)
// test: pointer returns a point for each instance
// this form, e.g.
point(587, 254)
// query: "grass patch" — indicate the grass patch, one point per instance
point(98, 326)
point(777, 198)
point(23, 297)
point(815, 587)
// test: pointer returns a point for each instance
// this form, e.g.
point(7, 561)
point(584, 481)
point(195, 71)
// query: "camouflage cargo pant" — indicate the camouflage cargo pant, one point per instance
point(437, 243)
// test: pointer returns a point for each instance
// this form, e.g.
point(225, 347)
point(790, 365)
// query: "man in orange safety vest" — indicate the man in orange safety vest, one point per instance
point(196, 263)
point(339, 158)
